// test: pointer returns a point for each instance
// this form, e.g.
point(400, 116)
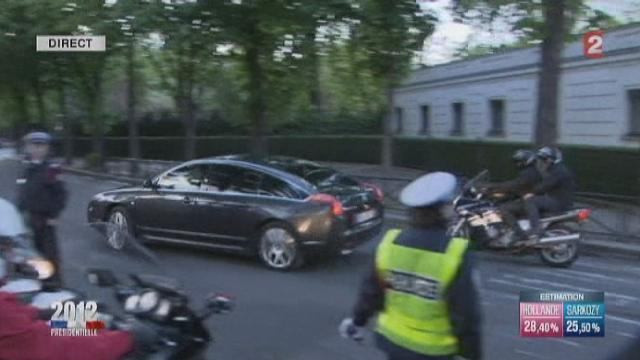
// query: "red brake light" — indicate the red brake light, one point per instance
point(336, 205)
point(377, 191)
point(584, 214)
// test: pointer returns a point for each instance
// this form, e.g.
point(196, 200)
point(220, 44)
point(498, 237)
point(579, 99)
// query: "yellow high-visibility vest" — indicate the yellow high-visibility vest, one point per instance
point(416, 316)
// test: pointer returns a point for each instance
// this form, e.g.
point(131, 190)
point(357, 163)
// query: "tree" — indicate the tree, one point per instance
point(550, 21)
point(135, 23)
point(88, 69)
point(186, 50)
point(390, 32)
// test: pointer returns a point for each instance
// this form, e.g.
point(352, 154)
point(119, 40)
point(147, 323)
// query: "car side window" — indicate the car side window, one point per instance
point(246, 181)
point(218, 177)
point(187, 177)
point(273, 186)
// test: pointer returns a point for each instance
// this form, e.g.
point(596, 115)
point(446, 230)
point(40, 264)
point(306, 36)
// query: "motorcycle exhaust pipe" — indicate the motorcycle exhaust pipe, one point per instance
point(559, 239)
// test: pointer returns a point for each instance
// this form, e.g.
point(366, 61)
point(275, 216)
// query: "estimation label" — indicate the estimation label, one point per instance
point(561, 314)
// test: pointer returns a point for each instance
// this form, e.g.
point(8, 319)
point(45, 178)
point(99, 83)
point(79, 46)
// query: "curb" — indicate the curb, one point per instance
point(395, 217)
point(102, 176)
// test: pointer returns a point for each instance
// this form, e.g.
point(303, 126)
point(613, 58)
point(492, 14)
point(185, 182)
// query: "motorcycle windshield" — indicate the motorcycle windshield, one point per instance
point(115, 249)
point(11, 223)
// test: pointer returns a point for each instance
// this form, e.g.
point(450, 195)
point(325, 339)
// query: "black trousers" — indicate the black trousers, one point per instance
point(511, 211)
point(46, 242)
point(531, 207)
point(539, 203)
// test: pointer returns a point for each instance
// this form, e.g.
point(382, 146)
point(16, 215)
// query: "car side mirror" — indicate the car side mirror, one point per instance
point(149, 183)
point(102, 277)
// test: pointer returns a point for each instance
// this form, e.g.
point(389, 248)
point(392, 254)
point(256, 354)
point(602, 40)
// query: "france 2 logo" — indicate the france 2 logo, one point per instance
point(593, 44)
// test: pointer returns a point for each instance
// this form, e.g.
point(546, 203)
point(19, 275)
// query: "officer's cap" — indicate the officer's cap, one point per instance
point(429, 190)
point(38, 137)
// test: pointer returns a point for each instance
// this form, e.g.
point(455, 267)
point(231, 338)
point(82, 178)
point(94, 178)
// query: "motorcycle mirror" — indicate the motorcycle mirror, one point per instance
point(102, 277)
point(220, 304)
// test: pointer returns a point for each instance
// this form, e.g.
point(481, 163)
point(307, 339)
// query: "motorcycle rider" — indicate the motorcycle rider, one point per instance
point(42, 196)
point(528, 177)
point(554, 193)
point(421, 283)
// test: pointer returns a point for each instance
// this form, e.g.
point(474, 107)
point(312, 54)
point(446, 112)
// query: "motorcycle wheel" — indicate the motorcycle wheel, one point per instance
point(561, 255)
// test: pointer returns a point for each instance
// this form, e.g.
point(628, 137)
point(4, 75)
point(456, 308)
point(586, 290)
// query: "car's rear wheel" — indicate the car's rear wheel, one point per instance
point(278, 248)
point(119, 228)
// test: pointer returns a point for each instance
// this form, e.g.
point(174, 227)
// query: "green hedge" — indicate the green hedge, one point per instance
point(600, 170)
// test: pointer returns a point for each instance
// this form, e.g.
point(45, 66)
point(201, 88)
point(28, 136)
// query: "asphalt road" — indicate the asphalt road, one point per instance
point(294, 316)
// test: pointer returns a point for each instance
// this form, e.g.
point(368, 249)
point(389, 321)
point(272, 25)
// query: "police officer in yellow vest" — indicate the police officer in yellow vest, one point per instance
point(421, 284)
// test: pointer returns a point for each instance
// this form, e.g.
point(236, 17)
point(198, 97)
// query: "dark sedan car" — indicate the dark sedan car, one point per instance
point(283, 209)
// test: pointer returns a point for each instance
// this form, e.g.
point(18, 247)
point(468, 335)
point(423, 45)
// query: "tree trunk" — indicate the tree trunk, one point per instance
point(315, 90)
point(387, 131)
point(188, 116)
point(257, 107)
point(546, 131)
point(37, 91)
point(132, 121)
point(21, 122)
point(95, 116)
point(66, 125)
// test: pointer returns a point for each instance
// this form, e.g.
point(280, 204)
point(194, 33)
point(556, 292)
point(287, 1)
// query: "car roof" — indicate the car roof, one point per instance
point(274, 165)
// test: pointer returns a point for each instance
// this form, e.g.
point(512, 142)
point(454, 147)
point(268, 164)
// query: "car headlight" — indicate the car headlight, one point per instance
point(44, 268)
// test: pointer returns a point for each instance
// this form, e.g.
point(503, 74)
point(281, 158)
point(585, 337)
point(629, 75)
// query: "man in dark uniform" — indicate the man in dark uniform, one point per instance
point(42, 197)
point(554, 193)
point(421, 284)
point(528, 177)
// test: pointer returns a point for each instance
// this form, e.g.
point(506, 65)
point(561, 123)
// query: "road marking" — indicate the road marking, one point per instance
point(566, 273)
point(622, 320)
point(530, 354)
point(626, 334)
point(505, 282)
point(598, 266)
point(500, 294)
point(568, 342)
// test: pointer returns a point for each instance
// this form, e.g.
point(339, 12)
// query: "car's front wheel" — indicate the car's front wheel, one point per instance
point(119, 228)
point(278, 248)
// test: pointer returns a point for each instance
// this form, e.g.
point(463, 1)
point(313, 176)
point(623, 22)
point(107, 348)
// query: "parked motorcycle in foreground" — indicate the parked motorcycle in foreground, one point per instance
point(479, 219)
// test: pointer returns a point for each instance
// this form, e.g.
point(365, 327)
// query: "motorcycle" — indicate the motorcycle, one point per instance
point(151, 297)
point(155, 300)
point(479, 219)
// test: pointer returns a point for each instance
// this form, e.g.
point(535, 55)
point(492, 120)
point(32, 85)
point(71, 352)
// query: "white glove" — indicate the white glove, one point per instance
point(349, 330)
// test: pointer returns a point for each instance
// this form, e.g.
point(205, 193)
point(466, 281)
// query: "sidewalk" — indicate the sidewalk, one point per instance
point(392, 181)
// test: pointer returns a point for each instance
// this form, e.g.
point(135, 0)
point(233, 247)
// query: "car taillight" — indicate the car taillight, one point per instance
point(377, 191)
point(584, 214)
point(336, 205)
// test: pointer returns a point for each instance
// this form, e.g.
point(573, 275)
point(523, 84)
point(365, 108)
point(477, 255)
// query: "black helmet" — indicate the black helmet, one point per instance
point(523, 158)
point(547, 153)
